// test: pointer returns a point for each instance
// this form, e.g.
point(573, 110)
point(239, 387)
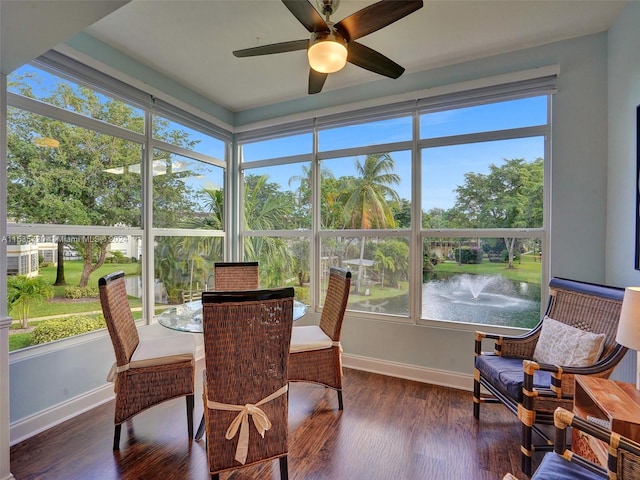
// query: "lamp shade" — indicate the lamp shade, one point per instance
point(327, 52)
point(629, 324)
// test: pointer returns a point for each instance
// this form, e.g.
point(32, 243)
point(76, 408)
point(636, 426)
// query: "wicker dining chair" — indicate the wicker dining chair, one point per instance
point(231, 276)
point(146, 371)
point(623, 461)
point(532, 389)
point(246, 347)
point(316, 353)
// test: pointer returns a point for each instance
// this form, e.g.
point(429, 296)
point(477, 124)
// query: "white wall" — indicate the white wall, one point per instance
point(623, 98)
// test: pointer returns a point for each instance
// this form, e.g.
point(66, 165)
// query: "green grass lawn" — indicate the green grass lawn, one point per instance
point(527, 269)
point(58, 305)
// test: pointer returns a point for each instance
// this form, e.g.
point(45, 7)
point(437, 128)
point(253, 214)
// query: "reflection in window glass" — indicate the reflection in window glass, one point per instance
point(41, 85)
point(379, 268)
point(493, 281)
point(184, 264)
point(368, 192)
point(484, 185)
point(50, 294)
point(187, 193)
point(278, 197)
point(360, 135)
point(525, 112)
point(284, 262)
point(186, 137)
point(278, 147)
point(76, 177)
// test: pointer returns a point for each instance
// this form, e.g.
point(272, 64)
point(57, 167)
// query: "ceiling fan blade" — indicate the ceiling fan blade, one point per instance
point(307, 15)
point(373, 61)
point(273, 48)
point(316, 81)
point(376, 16)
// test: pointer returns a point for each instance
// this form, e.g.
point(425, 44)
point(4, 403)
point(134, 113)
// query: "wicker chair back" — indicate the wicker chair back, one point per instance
point(118, 317)
point(335, 303)
point(247, 335)
point(232, 276)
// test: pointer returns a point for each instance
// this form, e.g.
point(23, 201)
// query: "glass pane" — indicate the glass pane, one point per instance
point(278, 147)
point(372, 133)
point(182, 136)
point(49, 295)
point(524, 112)
point(492, 281)
point(187, 193)
point(379, 267)
point(371, 192)
point(278, 197)
point(484, 185)
point(35, 83)
point(77, 177)
point(184, 264)
point(284, 262)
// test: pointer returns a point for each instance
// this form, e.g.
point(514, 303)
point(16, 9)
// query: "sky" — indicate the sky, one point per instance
point(443, 167)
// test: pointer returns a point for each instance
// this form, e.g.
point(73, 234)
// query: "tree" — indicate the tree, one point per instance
point(368, 196)
point(23, 291)
point(91, 178)
point(267, 208)
point(509, 196)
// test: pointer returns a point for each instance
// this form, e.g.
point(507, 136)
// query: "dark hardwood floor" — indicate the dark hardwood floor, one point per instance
point(390, 429)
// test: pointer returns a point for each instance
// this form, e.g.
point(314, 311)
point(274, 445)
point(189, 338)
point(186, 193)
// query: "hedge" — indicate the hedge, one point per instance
point(57, 328)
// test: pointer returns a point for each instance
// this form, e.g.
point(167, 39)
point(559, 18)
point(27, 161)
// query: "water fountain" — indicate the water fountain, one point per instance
point(486, 299)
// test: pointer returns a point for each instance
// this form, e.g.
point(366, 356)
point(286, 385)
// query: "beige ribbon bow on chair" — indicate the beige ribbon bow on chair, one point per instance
point(260, 420)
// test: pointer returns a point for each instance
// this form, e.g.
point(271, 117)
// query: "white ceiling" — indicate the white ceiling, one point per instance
point(191, 41)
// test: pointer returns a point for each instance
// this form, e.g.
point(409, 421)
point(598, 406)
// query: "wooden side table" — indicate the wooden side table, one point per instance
point(616, 405)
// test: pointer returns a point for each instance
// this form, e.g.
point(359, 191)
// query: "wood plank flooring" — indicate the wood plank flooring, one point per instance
point(390, 429)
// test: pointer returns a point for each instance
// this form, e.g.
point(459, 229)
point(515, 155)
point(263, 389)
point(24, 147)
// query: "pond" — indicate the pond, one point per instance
point(483, 299)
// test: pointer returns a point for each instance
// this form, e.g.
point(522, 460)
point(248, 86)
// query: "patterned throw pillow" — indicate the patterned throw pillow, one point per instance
point(561, 344)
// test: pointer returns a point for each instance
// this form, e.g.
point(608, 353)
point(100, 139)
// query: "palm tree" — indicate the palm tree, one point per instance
point(22, 291)
point(368, 197)
point(265, 208)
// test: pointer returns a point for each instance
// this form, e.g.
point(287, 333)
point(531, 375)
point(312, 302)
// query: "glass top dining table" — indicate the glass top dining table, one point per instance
point(187, 317)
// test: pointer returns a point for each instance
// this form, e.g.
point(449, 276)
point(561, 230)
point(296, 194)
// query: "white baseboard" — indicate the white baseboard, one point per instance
point(433, 376)
point(41, 421)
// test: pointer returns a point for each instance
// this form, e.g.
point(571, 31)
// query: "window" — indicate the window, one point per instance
point(79, 171)
point(469, 183)
point(483, 173)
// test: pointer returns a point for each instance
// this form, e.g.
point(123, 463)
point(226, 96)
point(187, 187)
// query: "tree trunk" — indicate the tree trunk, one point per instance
point(360, 267)
point(510, 242)
point(88, 268)
point(60, 267)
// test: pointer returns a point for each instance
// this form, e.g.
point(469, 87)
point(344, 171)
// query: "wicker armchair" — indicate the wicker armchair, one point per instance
point(246, 343)
point(230, 276)
point(316, 353)
point(623, 454)
point(146, 372)
point(533, 390)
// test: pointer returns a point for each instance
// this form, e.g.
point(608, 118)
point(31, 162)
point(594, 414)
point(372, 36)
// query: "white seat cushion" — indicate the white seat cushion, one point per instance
point(309, 337)
point(159, 351)
point(163, 350)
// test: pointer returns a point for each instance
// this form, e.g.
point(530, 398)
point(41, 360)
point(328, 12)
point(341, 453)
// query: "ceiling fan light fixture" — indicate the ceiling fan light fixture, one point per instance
point(327, 52)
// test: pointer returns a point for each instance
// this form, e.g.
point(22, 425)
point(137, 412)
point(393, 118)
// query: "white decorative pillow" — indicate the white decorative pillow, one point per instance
point(561, 344)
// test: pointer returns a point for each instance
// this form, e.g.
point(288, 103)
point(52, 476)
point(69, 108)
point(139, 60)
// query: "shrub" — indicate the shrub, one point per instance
point(80, 292)
point(467, 255)
point(57, 328)
point(302, 294)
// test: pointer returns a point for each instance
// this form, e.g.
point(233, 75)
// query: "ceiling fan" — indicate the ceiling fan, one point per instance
point(333, 44)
